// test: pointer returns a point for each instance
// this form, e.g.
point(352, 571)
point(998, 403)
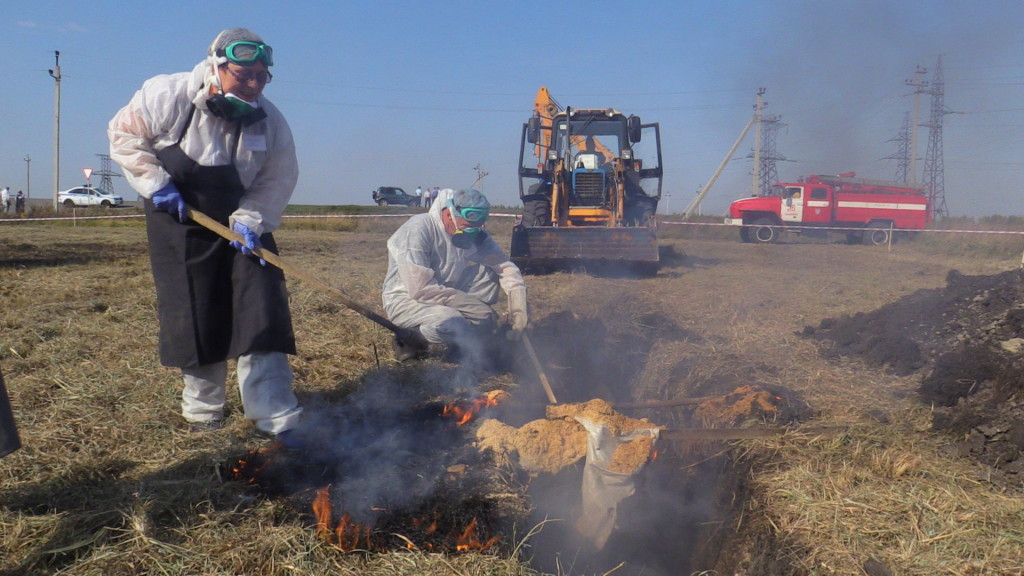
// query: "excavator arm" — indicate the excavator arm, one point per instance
point(545, 107)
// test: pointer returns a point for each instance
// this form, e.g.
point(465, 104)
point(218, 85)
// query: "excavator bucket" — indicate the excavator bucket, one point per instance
point(548, 247)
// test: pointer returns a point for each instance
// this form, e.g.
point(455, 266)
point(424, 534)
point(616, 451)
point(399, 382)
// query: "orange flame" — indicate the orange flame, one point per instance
point(322, 510)
point(468, 539)
point(463, 412)
point(249, 467)
point(348, 536)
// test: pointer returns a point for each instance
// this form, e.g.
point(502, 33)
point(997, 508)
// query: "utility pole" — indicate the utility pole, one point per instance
point(902, 155)
point(768, 173)
point(28, 178)
point(56, 128)
point(703, 190)
point(934, 176)
point(480, 174)
point(106, 174)
point(919, 86)
point(757, 141)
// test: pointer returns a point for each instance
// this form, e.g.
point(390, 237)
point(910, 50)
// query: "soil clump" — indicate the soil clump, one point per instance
point(965, 340)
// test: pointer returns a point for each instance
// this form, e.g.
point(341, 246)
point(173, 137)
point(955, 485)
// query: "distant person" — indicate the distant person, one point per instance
point(19, 203)
point(424, 197)
point(444, 272)
point(210, 139)
point(5, 199)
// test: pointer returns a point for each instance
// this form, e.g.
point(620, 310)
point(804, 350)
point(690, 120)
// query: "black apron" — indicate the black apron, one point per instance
point(214, 303)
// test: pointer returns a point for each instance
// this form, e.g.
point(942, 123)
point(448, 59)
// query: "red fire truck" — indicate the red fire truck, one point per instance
point(867, 210)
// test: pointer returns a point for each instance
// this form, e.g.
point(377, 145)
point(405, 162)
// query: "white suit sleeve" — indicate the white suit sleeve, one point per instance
point(134, 130)
point(492, 256)
point(267, 197)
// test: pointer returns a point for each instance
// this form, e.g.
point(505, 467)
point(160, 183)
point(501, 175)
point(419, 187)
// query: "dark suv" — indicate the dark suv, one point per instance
point(391, 195)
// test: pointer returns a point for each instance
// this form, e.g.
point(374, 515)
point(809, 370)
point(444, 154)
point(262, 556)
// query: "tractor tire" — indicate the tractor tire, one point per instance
point(764, 231)
point(639, 211)
point(536, 210)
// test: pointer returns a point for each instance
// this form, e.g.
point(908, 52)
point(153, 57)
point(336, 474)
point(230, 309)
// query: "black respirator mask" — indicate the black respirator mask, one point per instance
point(468, 237)
point(233, 109)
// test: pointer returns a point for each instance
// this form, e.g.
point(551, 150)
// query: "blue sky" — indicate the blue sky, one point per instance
point(420, 93)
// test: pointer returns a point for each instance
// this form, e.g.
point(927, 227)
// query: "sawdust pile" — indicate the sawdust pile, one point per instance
point(559, 441)
point(540, 445)
point(745, 403)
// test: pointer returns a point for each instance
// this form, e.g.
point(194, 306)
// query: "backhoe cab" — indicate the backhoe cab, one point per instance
point(590, 181)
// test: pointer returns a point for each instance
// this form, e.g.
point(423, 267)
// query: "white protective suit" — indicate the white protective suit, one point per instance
point(427, 274)
point(264, 157)
point(155, 117)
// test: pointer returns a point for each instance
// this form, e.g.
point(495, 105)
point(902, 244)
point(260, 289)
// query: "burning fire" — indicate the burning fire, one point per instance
point(464, 411)
point(468, 539)
point(249, 467)
point(350, 536)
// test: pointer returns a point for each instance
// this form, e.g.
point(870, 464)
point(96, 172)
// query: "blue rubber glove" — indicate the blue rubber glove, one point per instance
point(168, 199)
point(252, 241)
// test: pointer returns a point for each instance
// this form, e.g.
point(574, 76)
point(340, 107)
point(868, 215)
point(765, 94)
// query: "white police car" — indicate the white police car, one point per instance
point(88, 196)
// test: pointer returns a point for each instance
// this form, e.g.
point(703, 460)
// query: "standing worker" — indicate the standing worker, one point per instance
point(443, 275)
point(210, 139)
point(5, 198)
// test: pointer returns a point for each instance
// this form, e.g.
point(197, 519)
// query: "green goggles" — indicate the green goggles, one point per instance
point(246, 53)
point(472, 215)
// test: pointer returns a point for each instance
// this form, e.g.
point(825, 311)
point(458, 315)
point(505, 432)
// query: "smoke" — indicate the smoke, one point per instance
point(384, 447)
point(836, 74)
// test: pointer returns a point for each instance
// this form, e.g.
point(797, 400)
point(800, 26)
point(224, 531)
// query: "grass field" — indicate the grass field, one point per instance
point(110, 482)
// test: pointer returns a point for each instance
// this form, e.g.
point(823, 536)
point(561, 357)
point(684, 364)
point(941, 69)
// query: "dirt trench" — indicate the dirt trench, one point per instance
point(964, 341)
point(683, 514)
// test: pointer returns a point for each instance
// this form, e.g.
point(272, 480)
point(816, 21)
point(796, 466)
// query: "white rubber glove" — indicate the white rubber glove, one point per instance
point(517, 312)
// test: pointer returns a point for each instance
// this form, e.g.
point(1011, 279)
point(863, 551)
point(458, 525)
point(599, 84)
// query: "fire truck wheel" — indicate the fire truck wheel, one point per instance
point(745, 234)
point(877, 234)
point(763, 232)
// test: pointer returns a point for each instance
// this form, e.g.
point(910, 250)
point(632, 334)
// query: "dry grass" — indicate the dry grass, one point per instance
point(886, 492)
point(109, 482)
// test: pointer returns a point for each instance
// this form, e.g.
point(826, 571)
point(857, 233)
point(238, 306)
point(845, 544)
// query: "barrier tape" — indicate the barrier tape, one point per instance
point(75, 218)
point(834, 228)
point(511, 215)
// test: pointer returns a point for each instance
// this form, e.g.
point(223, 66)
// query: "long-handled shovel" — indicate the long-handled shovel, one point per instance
point(409, 339)
point(540, 369)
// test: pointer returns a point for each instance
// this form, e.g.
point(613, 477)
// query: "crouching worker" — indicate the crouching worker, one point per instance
point(444, 271)
point(210, 139)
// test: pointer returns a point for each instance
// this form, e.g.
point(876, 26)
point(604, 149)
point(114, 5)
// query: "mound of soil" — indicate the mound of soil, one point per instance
point(966, 341)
